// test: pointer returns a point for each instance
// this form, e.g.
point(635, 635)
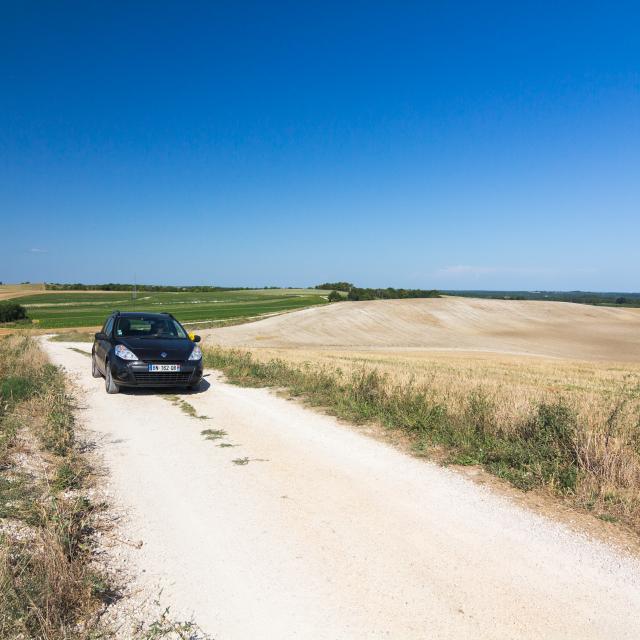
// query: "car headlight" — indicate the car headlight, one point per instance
point(125, 354)
point(196, 354)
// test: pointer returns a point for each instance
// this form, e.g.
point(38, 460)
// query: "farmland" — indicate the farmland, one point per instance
point(8, 291)
point(55, 310)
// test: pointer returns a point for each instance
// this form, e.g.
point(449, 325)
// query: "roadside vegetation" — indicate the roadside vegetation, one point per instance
point(48, 588)
point(572, 429)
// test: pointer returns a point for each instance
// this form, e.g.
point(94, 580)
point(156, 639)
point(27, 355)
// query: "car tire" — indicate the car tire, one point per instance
point(95, 372)
point(109, 384)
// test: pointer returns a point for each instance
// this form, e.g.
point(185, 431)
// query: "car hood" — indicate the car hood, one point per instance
point(152, 348)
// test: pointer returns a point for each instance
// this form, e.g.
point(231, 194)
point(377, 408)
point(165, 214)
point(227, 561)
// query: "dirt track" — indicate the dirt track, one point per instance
point(326, 533)
point(552, 329)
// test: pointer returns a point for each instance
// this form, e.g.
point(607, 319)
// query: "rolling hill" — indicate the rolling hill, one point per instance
point(551, 329)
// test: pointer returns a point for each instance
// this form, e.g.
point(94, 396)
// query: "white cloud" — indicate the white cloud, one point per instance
point(37, 250)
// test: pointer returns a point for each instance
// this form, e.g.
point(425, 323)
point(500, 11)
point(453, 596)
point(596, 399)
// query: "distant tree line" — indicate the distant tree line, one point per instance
point(578, 297)
point(360, 293)
point(111, 286)
point(11, 311)
point(357, 293)
point(335, 286)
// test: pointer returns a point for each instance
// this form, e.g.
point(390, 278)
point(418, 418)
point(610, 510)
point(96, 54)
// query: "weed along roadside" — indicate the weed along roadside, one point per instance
point(547, 447)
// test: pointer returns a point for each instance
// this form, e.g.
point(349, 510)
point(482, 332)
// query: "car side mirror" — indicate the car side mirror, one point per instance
point(197, 338)
point(101, 336)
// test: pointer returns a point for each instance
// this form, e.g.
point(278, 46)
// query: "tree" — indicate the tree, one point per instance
point(335, 286)
point(621, 300)
point(334, 296)
point(10, 311)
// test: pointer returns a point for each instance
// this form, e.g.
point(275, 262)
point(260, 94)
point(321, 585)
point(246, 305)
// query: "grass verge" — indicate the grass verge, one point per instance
point(73, 336)
point(47, 586)
point(548, 444)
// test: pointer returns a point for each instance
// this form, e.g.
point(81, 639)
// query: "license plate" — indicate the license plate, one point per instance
point(164, 367)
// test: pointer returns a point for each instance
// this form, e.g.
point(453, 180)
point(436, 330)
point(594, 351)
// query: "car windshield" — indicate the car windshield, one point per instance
point(149, 327)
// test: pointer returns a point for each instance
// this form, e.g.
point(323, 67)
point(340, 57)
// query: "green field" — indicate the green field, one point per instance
point(87, 309)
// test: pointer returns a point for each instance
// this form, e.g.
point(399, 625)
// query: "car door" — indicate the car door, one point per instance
point(103, 346)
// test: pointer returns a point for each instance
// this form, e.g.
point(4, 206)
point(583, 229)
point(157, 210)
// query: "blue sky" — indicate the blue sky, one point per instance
point(469, 145)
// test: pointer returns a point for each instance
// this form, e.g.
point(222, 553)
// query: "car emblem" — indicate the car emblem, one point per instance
point(163, 354)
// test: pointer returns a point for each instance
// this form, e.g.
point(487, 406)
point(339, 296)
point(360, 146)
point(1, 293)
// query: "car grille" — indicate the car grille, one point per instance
point(165, 377)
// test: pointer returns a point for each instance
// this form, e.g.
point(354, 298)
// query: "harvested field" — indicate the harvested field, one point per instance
point(8, 291)
point(551, 329)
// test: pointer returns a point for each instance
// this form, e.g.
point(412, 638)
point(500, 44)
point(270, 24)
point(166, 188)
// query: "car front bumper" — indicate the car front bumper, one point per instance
point(137, 374)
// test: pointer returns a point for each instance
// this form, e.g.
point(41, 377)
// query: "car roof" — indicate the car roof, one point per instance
point(140, 314)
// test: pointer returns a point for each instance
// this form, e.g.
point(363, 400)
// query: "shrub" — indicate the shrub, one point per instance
point(334, 296)
point(10, 311)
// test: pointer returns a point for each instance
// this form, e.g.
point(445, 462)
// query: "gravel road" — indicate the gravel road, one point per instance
point(326, 533)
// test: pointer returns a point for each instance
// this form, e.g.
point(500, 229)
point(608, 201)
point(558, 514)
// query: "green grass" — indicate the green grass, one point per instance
point(86, 309)
point(73, 336)
point(608, 518)
point(184, 406)
point(213, 434)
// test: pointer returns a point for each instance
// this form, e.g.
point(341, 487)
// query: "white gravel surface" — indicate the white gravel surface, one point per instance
point(326, 533)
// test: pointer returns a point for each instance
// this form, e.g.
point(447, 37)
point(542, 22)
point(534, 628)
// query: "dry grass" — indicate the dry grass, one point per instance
point(47, 588)
point(497, 396)
point(8, 291)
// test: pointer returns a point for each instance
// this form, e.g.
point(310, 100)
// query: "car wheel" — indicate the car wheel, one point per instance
point(109, 384)
point(95, 372)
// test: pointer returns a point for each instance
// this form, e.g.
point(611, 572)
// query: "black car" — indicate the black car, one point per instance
point(145, 350)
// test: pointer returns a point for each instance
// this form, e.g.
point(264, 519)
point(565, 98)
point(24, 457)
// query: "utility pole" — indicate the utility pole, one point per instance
point(134, 293)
